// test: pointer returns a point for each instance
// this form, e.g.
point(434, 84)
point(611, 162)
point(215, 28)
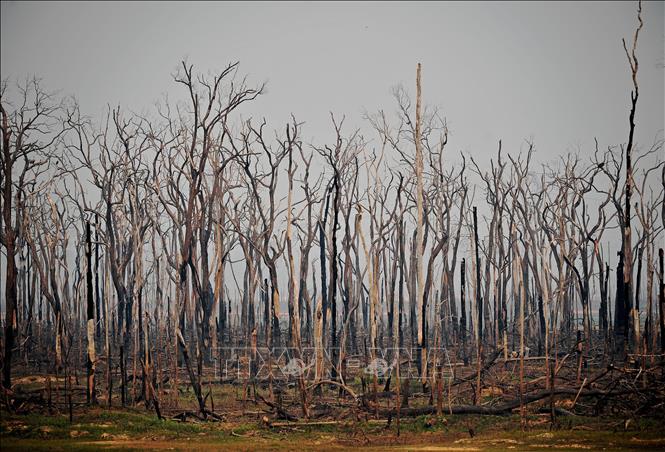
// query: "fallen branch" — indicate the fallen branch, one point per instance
point(335, 383)
point(281, 412)
point(505, 407)
point(492, 359)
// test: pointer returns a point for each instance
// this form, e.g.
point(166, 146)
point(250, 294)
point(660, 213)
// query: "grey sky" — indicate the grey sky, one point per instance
point(552, 71)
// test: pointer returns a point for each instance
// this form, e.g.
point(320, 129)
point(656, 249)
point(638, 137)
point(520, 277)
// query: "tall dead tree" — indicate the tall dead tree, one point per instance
point(419, 248)
point(91, 362)
point(626, 245)
point(661, 301)
point(205, 131)
point(45, 238)
point(479, 302)
point(29, 130)
point(338, 157)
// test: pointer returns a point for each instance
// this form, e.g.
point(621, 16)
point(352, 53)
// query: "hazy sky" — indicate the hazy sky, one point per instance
point(555, 72)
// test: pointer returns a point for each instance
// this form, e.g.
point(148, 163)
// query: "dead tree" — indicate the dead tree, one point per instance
point(339, 157)
point(114, 160)
point(496, 198)
point(626, 246)
point(419, 247)
point(46, 236)
point(661, 298)
point(312, 198)
point(206, 129)
point(479, 300)
point(91, 362)
point(647, 214)
point(29, 131)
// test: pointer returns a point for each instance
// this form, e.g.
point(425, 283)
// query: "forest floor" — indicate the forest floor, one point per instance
point(43, 412)
point(99, 428)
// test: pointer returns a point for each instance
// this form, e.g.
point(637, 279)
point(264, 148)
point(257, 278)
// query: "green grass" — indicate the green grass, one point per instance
point(133, 429)
point(97, 424)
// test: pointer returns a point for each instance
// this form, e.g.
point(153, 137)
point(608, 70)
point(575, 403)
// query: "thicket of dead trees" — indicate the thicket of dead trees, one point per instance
point(197, 248)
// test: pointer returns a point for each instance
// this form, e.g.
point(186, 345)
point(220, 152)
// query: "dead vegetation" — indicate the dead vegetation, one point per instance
point(145, 260)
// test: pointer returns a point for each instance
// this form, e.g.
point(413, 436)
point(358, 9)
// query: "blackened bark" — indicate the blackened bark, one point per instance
point(274, 305)
point(462, 328)
point(10, 247)
point(266, 309)
point(541, 318)
point(11, 320)
point(479, 301)
point(620, 311)
point(195, 381)
point(333, 277)
point(662, 302)
point(99, 301)
point(91, 398)
point(322, 256)
point(638, 278)
point(626, 229)
point(123, 376)
point(603, 277)
point(402, 263)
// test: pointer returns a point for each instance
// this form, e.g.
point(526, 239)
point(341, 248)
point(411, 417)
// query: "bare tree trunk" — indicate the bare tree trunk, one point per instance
point(318, 343)
point(196, 382)
point(661, 302)
point(11, 321)
point(519, 283)
point(649, 326)
point(333, 277)
point(636, 309)
point(91, 394)
point(294, 285)
point(324, 282)
point(627, 233)
point(9, 240)
point(418, 249)
point(107, 343)
point(462, 329)
point(620, 314)
point(479, 304)
point(603, 279)
point(98, 299)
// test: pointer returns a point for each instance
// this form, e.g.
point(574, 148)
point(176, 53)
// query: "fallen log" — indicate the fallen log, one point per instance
point(503, 408)
point(281, 412)
point(557, 410)
point(324, 423)
point(334, 383)
point(490, 362)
